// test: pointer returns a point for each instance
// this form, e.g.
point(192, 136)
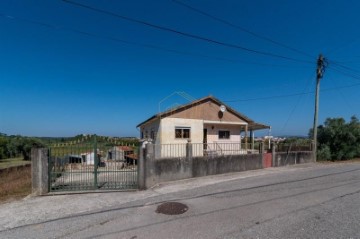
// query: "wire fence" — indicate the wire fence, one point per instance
point(293, 147)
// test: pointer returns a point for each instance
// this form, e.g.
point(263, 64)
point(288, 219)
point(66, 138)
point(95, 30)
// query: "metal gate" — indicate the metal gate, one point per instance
point(92, 166)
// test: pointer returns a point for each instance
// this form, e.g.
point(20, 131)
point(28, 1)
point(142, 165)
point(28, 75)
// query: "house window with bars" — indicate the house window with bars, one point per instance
point(182, 132)
point(224, 134)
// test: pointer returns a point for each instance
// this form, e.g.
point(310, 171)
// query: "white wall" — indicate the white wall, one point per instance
point(168, 130)
point(153, 126)
point(213, 134)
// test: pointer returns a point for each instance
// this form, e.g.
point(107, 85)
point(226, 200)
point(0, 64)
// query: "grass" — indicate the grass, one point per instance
point(15, 183)
point(12, 162)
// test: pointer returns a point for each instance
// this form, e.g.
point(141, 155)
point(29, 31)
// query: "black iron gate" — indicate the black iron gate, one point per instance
point(82, 166)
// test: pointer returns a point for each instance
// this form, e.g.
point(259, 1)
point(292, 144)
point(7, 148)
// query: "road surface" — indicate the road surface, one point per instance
point(304, 201)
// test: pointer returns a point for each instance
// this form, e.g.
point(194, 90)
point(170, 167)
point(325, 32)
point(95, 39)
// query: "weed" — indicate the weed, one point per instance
point(15, 183)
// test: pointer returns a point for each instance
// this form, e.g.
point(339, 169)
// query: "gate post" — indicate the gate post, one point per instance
point(149, 164)
point(146, 165)
point(142, 166)
point(39, 171)
point(95, 164)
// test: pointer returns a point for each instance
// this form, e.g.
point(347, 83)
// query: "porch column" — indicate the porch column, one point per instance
point(246, 135)
point(252, 139)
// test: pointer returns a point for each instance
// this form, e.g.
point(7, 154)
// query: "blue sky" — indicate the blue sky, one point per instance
point(67, 70)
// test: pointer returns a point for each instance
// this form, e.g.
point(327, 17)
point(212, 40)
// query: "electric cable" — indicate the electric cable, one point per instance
point(306, 88)
point(291, 95)
point(185, 34)
point(351, 75)
point(241, 28)
point(144, 45)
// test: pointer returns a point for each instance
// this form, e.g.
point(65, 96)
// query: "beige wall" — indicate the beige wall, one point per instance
point(168, 130)
point(169, 146)
point(165, 131)
point(213, 134)
point(207, 111)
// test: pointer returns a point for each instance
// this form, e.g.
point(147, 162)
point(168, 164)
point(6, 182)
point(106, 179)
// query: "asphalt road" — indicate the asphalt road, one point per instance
point(314, 201)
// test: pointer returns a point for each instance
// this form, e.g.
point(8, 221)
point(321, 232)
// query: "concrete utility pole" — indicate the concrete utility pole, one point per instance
point(319, 74)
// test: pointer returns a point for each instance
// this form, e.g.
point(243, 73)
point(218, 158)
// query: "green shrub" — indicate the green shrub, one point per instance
point(323, 153)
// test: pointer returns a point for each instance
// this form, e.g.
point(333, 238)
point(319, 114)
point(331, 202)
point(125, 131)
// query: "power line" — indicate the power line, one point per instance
point(344, 67)
point(351, 75)
point(291, 95)
point(268, 97)
point(113, 38)
point(345, 70)
point(185, 34)
point(241, 28)
point(342, 95)
point(306, 88)
point(150, 46)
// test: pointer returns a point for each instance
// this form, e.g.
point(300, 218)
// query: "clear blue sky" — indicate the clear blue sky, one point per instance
point(66, 70)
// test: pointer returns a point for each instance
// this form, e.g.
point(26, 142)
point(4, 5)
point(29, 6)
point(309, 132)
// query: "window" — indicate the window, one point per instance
point(224, 134)
point(152, 135)
point(182, 133)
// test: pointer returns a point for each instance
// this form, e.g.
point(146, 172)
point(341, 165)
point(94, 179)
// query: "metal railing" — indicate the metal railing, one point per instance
point(202, 150)
point(170, 150)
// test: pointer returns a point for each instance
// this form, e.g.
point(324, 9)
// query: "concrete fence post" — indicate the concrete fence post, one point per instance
point(142, 166)
point(189, 152)
point(261, 152)
point(149, 154)
point(261, 147)
point(273, 154)
point(39, 171)
point(189, 157)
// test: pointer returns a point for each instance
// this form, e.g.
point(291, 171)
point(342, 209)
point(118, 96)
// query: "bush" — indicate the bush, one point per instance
point(323, 153)
point(339, 140)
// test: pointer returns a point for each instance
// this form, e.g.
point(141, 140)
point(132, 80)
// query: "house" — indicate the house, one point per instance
point(208, 123)
point(122, 153)
point(118, 153)
point(89, 158)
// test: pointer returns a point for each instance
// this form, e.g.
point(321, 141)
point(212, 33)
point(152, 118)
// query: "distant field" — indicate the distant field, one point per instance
point(15, 183)
point(12, 162)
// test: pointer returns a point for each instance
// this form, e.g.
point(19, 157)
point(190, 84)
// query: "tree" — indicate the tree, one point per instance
point(28, 144)
point(339, 140)
point(3, 148)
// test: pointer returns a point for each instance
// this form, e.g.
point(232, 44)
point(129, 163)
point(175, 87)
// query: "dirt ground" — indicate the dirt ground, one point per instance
point(15, 183)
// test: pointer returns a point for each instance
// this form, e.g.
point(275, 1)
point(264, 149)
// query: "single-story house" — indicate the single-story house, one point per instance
point(89, 158)
point(119, 153)
point(208, 123)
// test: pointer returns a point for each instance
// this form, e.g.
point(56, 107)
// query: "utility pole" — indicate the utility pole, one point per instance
point(319, 74)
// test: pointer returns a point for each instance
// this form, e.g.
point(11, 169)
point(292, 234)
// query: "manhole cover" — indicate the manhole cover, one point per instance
point(172, 208)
